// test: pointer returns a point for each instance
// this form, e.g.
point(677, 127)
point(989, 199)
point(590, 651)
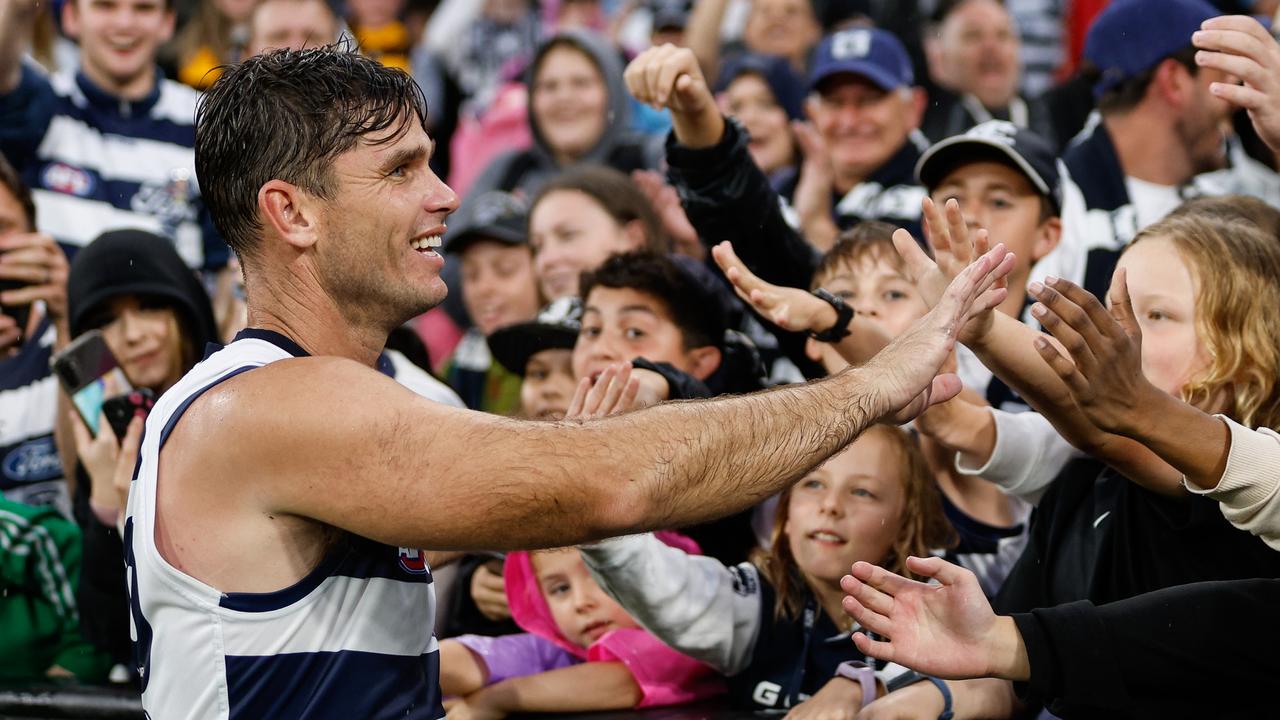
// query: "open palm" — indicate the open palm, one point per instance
point(942, 630)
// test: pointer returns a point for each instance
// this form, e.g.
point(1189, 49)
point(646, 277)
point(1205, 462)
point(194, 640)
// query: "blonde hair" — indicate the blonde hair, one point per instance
point(1237, 312)
point(922, 528)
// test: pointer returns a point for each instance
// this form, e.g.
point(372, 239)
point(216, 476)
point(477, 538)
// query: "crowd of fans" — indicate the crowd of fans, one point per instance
point(665, 200)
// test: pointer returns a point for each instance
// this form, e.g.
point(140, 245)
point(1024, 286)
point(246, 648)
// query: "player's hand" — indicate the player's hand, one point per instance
point(1239, 46)
point(788, 308)
point(954, 247)
point(839, 699)
point(1104, 373)
point(489, 592)
point(906, 371)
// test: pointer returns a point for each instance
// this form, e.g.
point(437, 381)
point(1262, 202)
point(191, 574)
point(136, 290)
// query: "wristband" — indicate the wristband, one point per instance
point(844, 316)
point(861, 673)
point(947, 713)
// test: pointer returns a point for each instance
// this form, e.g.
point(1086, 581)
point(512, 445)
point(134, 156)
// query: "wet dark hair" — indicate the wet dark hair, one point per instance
point(12, 182)
point(695, 309)
point(287, 115)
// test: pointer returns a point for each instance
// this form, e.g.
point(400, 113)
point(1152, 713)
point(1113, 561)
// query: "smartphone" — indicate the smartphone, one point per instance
point(20, 313)
point(121, 409)
point(90, 374)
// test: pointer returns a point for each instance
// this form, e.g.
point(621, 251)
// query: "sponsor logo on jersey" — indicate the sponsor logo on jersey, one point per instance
point(413, 561)
point(32, 461)
point(64, 178)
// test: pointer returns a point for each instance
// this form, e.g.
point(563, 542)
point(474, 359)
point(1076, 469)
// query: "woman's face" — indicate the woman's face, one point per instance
point(570, 232)
point(498, 287)
point(749, 99)
point(848, 509)
point(1163, 289)
point(570, 103)
point(145, 337)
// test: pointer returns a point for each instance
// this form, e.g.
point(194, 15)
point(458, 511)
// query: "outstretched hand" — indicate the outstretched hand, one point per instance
point(954, 248)
point(669, 77)
point(788, 308)
point(1104, 374)
point(614, 391)
point(906, 369)
point(1238, 45)
point(946, 630)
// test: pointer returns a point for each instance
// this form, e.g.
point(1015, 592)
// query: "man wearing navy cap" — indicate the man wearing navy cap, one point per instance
point(1160, 128)
point(866, 110)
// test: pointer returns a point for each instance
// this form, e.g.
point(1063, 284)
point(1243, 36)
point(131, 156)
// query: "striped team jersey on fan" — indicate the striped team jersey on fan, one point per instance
point(354, 638)
point(96, 162)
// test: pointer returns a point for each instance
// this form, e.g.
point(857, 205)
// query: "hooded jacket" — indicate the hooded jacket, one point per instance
point(524, 171)
point(124, 262)
point(665, 676)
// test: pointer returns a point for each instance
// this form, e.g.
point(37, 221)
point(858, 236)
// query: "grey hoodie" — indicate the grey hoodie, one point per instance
point(524, 171)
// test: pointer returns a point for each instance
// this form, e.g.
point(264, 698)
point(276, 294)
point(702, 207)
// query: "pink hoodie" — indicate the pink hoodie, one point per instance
point(665, 676)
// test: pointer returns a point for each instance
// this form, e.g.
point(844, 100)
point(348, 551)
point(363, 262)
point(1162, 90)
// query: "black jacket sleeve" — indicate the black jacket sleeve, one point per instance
point(728, 198)
point(1200, 650)
point(683, 385)
point(101, 593)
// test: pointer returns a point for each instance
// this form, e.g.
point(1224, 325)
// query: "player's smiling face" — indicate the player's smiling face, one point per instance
point(381, 227)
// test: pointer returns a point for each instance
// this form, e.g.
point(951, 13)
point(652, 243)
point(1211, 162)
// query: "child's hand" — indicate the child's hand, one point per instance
point(839, 699)
point(614, 391)
point(788, 308)
point(490, 594)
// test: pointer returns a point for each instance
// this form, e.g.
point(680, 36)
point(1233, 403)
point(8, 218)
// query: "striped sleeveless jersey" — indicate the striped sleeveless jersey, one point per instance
point(352, 639)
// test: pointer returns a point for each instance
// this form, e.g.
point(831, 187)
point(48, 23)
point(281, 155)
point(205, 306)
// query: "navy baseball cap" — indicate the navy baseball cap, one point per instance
point(875, 54)
point(555, 328)
point(786, 86)
point(671, 14)
point(1130, 37)
point(494, 215)
point(999, 141)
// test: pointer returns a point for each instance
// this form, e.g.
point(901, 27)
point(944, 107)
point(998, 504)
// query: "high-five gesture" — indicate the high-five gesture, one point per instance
point(669, 77)
point(946, 630)
point(1104, 373)
point(907, 367)
point(954, 247)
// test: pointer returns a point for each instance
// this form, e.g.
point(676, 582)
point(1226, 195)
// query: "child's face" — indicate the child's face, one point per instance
point(582, 611)
point(1163, 290)
point(621, 324)
point(548, 385)
point(498, 285)
point(879, 292)
point(846, 510)
point(997, 197)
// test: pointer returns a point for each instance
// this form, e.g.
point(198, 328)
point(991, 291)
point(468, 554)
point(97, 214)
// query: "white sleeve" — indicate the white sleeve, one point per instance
point(1028, 455)
point(693, 603)
point(1249, 490)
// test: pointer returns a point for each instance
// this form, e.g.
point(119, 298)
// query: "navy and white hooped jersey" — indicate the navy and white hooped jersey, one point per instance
point(354, 638)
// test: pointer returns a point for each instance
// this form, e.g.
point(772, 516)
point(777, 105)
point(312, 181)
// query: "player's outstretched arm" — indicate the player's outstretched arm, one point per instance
point(326, 439)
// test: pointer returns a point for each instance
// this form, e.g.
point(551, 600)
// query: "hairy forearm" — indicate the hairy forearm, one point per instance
point(578, 688)
point(678, 466)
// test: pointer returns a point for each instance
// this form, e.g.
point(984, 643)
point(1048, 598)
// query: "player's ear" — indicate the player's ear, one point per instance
point(289, 213)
